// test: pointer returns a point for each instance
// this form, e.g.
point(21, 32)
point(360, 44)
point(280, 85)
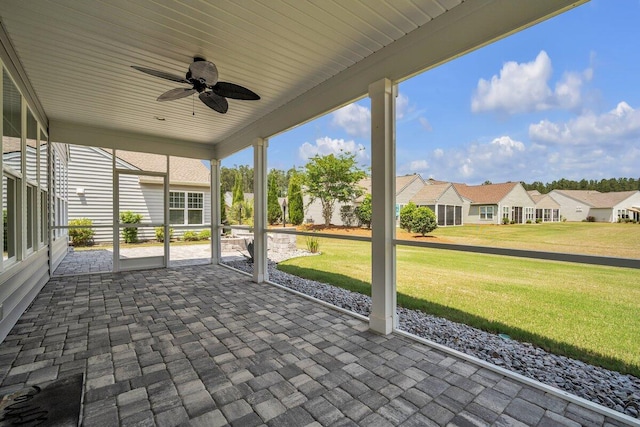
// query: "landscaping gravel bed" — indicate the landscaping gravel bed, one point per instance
point(608, 388)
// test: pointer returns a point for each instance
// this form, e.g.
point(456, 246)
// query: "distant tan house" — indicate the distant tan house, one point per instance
point(91, 190)
point(547, 209)
point(444, 200)
point(577, 205)
point(490, 203)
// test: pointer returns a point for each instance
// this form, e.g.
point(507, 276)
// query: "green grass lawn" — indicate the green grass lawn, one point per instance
point(619, 240)
point(587, 312)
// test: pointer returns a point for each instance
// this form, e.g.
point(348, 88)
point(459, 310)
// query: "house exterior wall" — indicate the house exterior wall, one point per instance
point(409, 191)
point(630, 202)
point(450, 197)
point(603, 214)
point(570, 208)
point(313, 211)
point(471, 214)
point(91, 170)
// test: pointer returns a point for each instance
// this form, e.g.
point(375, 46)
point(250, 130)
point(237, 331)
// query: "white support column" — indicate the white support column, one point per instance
point(215, 211)
point(260, 273)
point(383, 166)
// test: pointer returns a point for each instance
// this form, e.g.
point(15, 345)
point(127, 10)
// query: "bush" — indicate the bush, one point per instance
point(81, 236)
point(241, 209)
point(528, 221)
point(204, 235)
point(294, 200)
point(363, 212)
point(424, 220)
point(347, 215)
point(513, 221)
point(505, 220)
point(591, 218)
point(190, 236)
point(130, 235)
point(406, 216)
point(313, 244)
point(538, 220)
point(160, 234)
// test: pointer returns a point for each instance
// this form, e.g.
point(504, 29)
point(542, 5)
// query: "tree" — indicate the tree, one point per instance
point(424, 220)
point(227, 179)
point(332, 178)
point(238, 192)
point(406, 216)
point(363, 212)
point(280, 179)
point(295, 204)
point(274, 212)
point(223, 210)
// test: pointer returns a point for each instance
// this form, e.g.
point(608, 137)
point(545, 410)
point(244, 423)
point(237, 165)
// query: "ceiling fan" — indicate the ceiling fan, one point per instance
point(203, 77)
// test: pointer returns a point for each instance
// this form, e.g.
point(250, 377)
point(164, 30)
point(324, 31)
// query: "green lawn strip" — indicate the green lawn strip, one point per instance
point(570, 237)
point(141, 245)
point(586, 312)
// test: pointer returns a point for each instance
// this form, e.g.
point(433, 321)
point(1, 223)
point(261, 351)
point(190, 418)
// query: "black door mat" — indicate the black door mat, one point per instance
point(56, 404)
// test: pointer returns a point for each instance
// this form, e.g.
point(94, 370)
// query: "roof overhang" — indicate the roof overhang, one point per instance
point(72, 62)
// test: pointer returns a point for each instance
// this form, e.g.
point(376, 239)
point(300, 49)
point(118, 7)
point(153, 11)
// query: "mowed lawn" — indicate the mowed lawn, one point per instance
point(587, 312)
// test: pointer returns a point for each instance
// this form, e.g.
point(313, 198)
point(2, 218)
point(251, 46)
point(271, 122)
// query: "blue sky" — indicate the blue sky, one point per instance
point(558, 100)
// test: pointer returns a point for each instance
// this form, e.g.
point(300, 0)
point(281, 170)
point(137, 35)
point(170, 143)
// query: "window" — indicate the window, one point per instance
point(44, 219)
point(528, 214)
point(547, 215)
point(505, 212)
point(486, 212)
point(186, 208)
point(31, 216)
point(9, 218)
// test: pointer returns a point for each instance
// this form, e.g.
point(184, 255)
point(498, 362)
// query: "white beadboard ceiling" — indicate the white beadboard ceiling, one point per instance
point(303, 58)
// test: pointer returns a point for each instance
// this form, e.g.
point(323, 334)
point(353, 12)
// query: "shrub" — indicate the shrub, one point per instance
point(130, 235)
point(424, 220)
point(160, 234)
point(241, 213)
point(190, 236)
point(204, 235)
point(591, 218)
point(81, 236)
point(406, 216)
point(274, 210)
point(513, 221)
point(313, 244)
point(528, 221)
point(538, 220)
point(296, 205)
point(347, 215)
point(505, 220)
point(363, 212)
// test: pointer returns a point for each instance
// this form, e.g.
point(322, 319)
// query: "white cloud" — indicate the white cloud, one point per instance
point(522, 88)
point(402, 106)
point(438, 153)
point(425, 124)
point(613, 127)
point(326, 145)
point(354, 119)
point(418, 165)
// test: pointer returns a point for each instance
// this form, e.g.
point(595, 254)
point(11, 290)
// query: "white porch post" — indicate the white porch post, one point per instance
point(215, 211)
point(260, 273)
point(383, 165)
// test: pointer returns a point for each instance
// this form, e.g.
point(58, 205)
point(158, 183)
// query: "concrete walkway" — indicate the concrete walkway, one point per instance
point(205, 346)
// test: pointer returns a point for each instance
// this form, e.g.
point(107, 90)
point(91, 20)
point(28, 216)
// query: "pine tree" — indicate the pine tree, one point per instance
point(274, 212)
point(296, 206)
point(223, 209)
point(238, 193)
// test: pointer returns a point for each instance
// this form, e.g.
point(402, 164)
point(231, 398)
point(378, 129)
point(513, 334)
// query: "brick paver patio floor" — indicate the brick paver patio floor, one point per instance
point(205, 346)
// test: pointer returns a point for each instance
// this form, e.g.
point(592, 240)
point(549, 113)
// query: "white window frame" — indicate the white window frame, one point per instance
point(186, 206)
point(486, 212)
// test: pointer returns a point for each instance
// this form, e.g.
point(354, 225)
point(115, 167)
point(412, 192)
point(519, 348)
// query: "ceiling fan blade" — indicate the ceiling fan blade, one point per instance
point(204, 70)
point(234, 91)
point(161, 74)
point(214, 101)
point(174, 94)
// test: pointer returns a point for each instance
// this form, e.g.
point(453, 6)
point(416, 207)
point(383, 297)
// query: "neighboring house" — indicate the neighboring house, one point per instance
point(444, 200)
point(577, 205)
point(91, 190)
point(407, 186)
point(547, 209)
point(490, 203)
